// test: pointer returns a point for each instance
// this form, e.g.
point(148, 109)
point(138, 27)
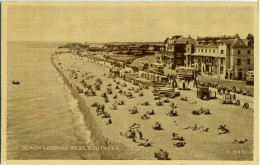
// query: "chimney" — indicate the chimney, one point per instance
point(189, 36)
point(237, 36)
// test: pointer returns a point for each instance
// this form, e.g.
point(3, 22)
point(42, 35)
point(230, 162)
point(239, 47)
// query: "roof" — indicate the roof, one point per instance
point(228, 41)
point(246, 41)
point(142, 61)
point(142, 79)
point(185, 40)
point(156, 63)
point(211, 45)
point(236, 43)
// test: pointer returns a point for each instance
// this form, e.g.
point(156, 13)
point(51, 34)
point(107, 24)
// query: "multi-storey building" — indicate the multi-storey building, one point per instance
point(175, 48)
point(228, 57)
point(225, 57)
point(205, 58)
point(239, 57)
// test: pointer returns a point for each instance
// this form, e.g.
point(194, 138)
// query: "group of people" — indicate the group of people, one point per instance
point(146, 115)
point(224, 129)
point(200, 111)
point(134, 133)
point(246, 105)
point(196, 128)
point(180, 142)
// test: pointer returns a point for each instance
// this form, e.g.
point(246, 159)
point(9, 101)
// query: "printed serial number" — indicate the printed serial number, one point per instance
point(237, 152)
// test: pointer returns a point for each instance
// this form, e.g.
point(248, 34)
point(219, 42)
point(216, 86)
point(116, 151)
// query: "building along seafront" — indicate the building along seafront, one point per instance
point(175, 49)
point(225, 57)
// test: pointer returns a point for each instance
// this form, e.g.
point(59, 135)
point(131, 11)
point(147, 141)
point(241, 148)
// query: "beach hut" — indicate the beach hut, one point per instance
point(142, 81)
point(203, 92)
point(163, 79)
point(227, 98)
point(115, 73)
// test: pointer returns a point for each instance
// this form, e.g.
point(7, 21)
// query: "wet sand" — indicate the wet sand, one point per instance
point(199, 145)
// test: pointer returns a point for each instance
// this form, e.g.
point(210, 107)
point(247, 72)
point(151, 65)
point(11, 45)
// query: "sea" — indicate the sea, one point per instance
point(43, 118)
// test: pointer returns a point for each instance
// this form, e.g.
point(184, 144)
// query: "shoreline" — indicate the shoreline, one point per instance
point(97, 137)
point(88, 119)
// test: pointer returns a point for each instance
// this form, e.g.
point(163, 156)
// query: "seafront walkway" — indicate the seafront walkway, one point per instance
point(240, 97)
point(227, 83)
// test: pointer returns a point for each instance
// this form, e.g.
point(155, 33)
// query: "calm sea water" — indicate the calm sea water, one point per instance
point(41, 113)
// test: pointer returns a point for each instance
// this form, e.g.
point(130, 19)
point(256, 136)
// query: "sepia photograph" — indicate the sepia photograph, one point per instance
point(92, 81)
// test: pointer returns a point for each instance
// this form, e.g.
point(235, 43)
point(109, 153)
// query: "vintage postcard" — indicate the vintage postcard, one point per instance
point(130, 82)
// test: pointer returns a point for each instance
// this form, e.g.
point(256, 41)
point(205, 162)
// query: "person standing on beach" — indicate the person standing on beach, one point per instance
point(133, 136)
point(140, 134)
point(234, 97)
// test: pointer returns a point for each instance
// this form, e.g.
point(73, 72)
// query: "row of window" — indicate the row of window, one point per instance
point(206, 50)
point(248, 52)
point(239, 61)
point(221, 51)
point(213, 51)
point(238, 52)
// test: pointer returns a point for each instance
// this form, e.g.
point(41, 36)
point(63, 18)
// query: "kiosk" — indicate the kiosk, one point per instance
point(203, 92)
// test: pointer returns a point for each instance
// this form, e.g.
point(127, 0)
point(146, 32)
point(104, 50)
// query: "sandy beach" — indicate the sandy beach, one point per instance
point(200, 145)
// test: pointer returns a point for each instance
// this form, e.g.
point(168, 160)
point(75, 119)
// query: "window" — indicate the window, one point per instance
point(238, 61)
point(221, 69)
point(248, 52)
point(178, 54)
point(201, 50)
point(205, 50)
point(221, 61)
point(178, 61)
point(188, 49)
point(222, 52)
point(213, 50)
point(248, 61)
point(238, 52)
point(209, 50)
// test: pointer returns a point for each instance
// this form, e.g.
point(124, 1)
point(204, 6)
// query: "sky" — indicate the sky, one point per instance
point(122, 23)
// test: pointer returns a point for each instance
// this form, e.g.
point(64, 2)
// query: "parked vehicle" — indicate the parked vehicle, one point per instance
point(250, 78)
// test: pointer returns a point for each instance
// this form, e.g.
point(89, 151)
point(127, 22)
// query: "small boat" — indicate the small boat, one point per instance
point(16, 82)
